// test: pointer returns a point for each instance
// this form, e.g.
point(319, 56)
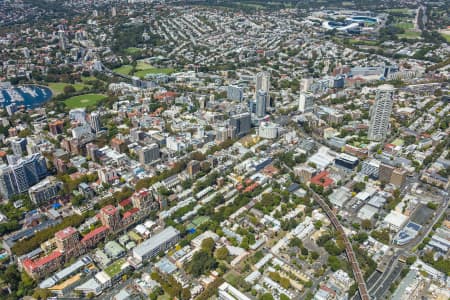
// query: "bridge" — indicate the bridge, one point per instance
point(362, 288)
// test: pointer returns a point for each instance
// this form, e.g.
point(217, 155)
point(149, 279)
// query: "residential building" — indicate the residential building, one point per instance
point(229, 292)
point(95, 121)
point(263, 84)
point(19, 177)
point(268, 130)
point(56, 127)
point(242, 123)
point(78, 114)
point(261, 103)
point(18, 146)
point(306, 102)
point(149, 154)
point(110, 217)
point(45, 191)
point(160, 242)
point(381, 112)
point(235, 93)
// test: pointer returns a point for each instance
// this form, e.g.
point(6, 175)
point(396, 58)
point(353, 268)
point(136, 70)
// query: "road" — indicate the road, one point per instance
point(362, 288)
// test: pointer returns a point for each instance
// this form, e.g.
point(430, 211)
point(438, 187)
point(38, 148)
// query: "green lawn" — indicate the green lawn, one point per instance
point(132, 50)
point(142, 73)
point(446, 36)
point(88, 78)
point(84, 100)
point(142, 69)
point(398, 142)
point(405, 11)
point(58, 87)
point(362, 42)
point(114, 268)
point(142, 65)
point(125, 69)
point(405, 25)
point(409, 34)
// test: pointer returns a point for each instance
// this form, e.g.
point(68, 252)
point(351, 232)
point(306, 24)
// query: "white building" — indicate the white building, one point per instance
point(268, 130)
point(263, 84)
point(306, 102)
point(381, 112)
point(229, 292)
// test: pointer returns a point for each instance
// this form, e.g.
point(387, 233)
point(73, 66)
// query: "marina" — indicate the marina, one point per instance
point(27, 95)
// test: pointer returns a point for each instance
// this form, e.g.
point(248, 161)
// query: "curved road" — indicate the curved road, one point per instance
point(362, 288)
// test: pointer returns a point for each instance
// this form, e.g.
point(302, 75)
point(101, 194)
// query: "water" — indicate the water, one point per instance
point(30, 96)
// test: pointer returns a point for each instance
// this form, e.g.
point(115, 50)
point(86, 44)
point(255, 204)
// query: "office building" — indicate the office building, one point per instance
point(263, 84)
point(19, 177)
point(95, 121)
point(148, 154)
point(381, 112)
point(346, 161)
point(261, 103)
point(235, 93)
point(242, 123)
point(160, 242)
point(45, 191)
point(306, 102)
point(371, 168)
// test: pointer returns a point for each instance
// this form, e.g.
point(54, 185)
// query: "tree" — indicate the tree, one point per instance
point(318, 224)
point(221, 253)
point(360, 237)
point(208, 245)
point(185, 294)
point(245, 243)
point(69, 89)
point(41, 294)
point(366, 224)
point(266, 296)
point(381, 235)
point(284, 297)
point(334, 263)
point(314, 255)
point(410, 260)
point(201, 263)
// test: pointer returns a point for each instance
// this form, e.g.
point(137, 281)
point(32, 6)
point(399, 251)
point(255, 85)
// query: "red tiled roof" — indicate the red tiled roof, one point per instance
point(131, 212)
point(125, 202)
point(322, 179)
point(109, 209)
point(66, 232)
point(30, 264)
point(95, 232)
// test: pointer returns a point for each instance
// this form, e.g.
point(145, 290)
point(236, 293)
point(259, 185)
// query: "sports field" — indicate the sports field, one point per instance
point(84, 100)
